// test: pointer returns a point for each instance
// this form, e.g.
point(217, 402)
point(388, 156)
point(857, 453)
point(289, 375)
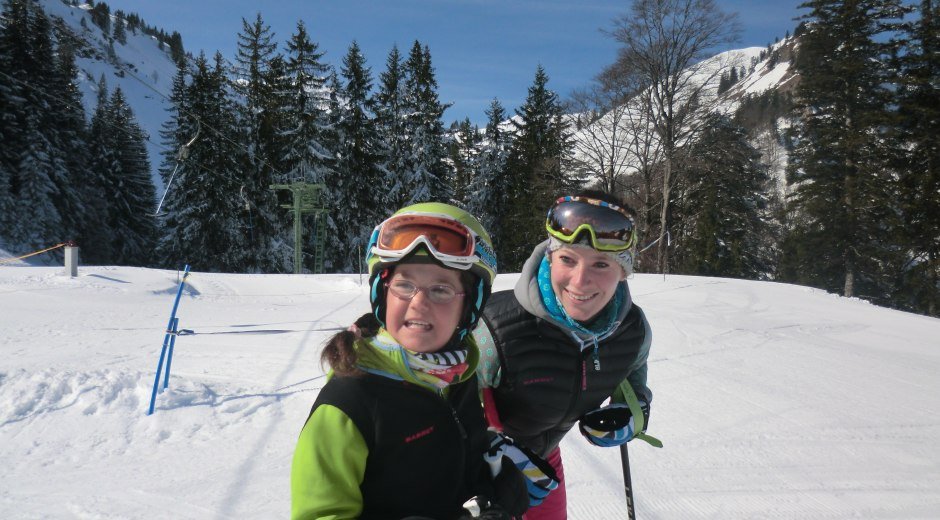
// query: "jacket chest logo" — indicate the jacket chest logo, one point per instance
point(417, 435)
point(536, 380)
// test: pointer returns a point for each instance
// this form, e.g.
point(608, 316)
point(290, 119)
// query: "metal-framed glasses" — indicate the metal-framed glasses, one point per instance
point(437, 293)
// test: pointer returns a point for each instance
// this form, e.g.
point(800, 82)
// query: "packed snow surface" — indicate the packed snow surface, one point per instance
point(773, 401)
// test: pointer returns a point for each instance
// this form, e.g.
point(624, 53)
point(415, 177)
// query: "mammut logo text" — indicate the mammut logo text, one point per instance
point(538, 380)
point(423, 433)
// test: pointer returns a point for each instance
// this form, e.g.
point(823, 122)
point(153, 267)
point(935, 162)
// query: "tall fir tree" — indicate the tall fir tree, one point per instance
point(258, 115)
point(204, 224)
point(36, 169)
point(488, 199)
point(131, 203)
point(179, 129)
point(13, 33)
point(66, 115)
point(392, 126)
point(541, 142)
point(97, 242)
point(357, 187)
point(427, 175)
point(843, 192)
point(463, 150)
point(919, 141)
point(306, 135)
point(120, 28)
point(723, 207)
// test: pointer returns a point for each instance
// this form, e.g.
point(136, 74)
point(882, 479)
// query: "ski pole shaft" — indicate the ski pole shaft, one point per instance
point(627, 481)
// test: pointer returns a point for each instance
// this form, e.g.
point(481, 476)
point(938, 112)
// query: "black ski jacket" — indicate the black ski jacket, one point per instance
point(547, 382)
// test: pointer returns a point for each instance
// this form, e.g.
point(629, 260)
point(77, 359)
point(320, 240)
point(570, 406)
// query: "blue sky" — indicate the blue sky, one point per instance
point(480, 49)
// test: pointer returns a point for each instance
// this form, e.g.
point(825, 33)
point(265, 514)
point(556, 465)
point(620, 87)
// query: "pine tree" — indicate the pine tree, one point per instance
point(177, 53)
point(357, 186)
point(120, 33)
point(34, 164)
point(488, 194)
point(98, 238)
point(723, 206)
point(204, 226)
point(101, 16)
point(65, 116)
point(307, 142)
point(920, 161)
point(427, 174)
point(13, 107)
point(132, 193)
point(391, 123)
point(258, 117)
point(535, 160)
point(38, 223)
point(843, 191)
point(463, 156)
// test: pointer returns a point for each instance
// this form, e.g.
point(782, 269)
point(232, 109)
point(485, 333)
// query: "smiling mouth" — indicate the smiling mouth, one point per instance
point(418, 325)
point(580, 298)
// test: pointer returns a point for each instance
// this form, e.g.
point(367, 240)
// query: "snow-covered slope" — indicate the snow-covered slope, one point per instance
point(773, 400)
point(615, 142)
point(141, 69)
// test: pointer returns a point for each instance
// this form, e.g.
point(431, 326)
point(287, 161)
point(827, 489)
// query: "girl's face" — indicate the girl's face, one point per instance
point(584, 280)
point(419, 324)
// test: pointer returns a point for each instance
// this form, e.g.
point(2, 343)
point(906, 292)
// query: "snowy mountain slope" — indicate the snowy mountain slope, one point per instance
point(609, 141)
point(140, 68)
point(773, 400)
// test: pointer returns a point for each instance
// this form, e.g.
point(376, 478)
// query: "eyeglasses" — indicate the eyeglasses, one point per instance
point(437, 293)
point(610, 227)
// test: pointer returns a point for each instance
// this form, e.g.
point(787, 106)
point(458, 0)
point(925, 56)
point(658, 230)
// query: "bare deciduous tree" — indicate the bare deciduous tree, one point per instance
point(663, 47)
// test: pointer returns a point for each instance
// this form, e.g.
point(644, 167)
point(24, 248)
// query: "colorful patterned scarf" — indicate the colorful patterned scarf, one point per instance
point(439, 369)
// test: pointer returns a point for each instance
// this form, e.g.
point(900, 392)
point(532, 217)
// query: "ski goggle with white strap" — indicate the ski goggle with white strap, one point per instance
point(448, 240)
point(610, 227)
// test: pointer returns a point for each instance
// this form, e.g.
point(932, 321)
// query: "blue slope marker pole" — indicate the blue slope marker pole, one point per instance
point(169, 354)
point(166, 339)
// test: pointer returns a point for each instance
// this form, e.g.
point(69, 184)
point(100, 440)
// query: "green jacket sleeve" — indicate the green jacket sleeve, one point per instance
point(328, 467)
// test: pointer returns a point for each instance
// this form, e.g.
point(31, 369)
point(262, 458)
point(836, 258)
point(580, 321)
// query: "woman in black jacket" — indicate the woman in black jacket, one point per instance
point(565, 340)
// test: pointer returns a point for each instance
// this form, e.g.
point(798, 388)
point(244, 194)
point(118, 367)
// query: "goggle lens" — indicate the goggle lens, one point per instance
point(446, 236)
point(613, 230)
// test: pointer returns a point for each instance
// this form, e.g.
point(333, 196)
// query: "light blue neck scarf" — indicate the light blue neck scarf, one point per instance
point(605, 321)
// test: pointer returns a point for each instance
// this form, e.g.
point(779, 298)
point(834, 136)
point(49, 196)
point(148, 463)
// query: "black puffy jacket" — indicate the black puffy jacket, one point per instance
point(547, 381)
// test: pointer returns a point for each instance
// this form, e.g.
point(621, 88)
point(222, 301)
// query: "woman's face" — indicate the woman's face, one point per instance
point(419, 324)
point(584, 280)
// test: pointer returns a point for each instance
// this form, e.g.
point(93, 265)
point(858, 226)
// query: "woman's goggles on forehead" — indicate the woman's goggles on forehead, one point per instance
point(610, 227)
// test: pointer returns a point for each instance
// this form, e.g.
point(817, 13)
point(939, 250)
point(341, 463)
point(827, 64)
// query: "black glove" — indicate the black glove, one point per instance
point(511, 489)
point(611, 425)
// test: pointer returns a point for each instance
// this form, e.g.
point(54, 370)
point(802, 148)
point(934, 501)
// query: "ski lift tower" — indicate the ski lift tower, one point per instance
point(307, 198)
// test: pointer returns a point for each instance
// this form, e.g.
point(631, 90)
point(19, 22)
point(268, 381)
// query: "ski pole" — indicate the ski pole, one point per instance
point(627, 481)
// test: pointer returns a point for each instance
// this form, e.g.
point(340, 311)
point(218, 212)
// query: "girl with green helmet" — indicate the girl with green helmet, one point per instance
point(398, 431)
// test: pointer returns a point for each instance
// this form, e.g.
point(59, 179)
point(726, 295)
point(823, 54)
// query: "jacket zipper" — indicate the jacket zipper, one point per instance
point(453, 413)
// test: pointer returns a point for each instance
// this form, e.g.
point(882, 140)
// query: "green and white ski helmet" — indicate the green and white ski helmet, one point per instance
point(413, 234)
